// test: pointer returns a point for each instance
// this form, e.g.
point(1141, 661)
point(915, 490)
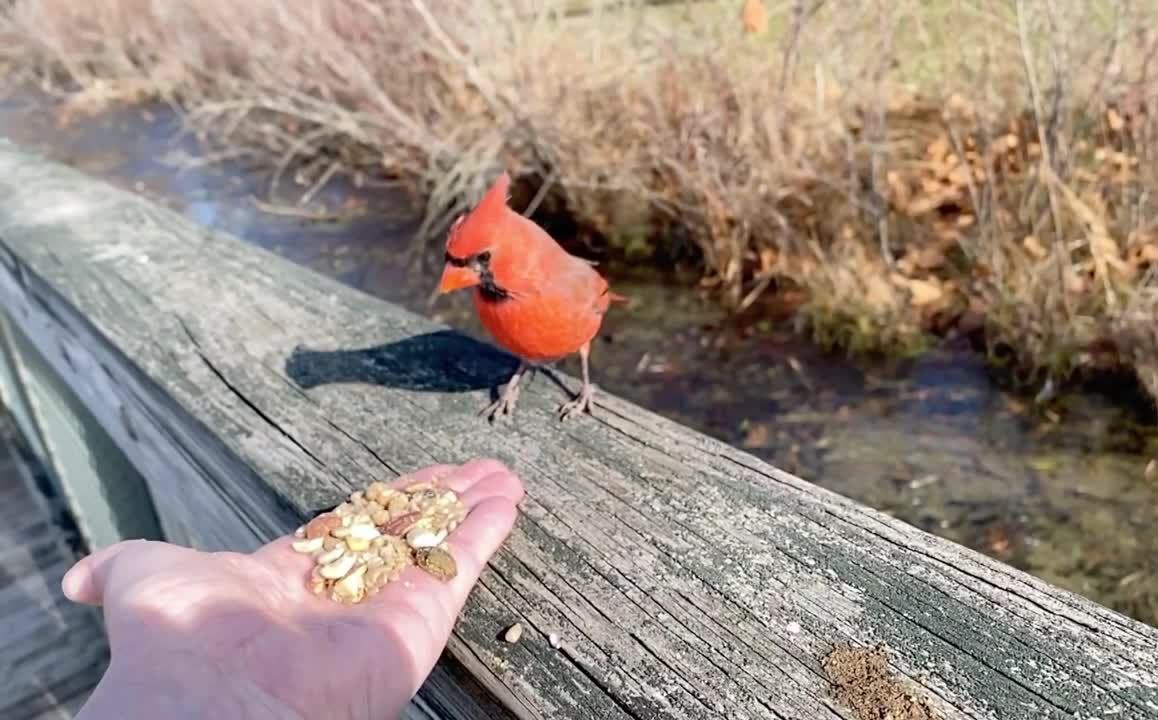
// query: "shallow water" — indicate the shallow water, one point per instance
point(1060, 493)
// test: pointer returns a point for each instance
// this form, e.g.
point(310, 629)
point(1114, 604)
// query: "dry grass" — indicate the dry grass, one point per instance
point(911, 165)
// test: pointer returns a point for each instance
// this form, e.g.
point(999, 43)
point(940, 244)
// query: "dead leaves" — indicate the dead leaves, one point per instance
point(754, 17)
point(924, 292)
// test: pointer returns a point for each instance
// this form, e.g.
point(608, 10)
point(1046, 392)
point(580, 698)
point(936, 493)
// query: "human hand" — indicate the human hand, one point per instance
point(194, 632)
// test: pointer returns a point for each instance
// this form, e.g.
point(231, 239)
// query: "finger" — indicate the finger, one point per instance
point(491, 511)
point(472, 545)
point(458, 478)
point(503, 483)
point(426, 474)
point(476, 540)
point(85, 581)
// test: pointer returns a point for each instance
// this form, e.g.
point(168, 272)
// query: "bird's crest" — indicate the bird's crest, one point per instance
point(470, 233)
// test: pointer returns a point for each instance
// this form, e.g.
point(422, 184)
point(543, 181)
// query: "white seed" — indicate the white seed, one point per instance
point(421, 537)
point(341, 532)
point(513, 633)
point(353, 585)
point(338, 568)
point(300, 532)
point(331, 555)
point(554, 640)
point(309, 546)
point(364, 532)
point(357, 544)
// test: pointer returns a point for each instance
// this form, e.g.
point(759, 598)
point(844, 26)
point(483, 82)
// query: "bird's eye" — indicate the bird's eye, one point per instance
point(484, 256)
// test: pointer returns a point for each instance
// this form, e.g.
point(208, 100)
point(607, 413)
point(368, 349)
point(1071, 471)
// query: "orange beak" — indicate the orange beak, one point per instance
point(456, 278)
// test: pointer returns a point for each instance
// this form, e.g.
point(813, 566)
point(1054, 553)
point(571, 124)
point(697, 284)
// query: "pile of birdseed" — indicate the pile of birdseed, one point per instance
point(366, 542)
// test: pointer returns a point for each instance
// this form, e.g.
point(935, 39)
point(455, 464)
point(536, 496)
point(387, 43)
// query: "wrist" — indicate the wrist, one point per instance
point(176, 688)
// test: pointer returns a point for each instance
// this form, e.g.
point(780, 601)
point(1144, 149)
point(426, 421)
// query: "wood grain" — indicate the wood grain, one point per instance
point(52, 651)
point(685, 578)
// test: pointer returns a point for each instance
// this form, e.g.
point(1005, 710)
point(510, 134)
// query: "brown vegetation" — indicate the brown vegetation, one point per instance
point(911, 166)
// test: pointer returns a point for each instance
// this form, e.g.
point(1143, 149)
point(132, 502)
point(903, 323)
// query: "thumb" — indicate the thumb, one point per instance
point(86, 580)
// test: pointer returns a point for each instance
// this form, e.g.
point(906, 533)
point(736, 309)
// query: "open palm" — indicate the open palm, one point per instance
point(242, 630)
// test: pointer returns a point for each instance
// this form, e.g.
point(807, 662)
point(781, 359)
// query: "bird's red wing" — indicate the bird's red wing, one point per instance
point(583, 285)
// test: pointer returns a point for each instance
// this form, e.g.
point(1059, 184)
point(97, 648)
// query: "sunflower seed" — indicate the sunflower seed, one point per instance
point(331, 555)
point(364, 531)
point(308, 546)
point(351, 588)
point(338, 568)
point(421, 537)
point(513, 633)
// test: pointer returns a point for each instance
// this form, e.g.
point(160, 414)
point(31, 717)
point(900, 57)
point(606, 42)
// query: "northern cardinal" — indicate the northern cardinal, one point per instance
point(537, 300)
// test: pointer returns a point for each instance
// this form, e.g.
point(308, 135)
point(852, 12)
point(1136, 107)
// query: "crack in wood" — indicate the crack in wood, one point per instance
point(261, 413)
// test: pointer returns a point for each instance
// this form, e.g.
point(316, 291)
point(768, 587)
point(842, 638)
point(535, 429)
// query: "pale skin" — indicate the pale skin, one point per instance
point(195, 633)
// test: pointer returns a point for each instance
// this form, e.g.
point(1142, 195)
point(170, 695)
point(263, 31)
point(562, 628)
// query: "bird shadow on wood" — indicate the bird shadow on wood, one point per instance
point(441, 361)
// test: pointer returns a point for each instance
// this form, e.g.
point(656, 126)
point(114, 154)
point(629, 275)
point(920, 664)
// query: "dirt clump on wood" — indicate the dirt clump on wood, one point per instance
point(862, 681)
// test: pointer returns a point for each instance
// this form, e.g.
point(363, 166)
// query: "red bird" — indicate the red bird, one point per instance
point(537, 300)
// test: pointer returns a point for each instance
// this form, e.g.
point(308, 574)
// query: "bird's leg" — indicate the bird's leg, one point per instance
point(505, 405)
point(582, 402)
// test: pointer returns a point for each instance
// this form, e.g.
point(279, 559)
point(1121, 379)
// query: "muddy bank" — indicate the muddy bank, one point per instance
point(1059, 490)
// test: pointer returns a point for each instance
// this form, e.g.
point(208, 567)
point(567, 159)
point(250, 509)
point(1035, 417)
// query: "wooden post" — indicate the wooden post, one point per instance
point(105, 494)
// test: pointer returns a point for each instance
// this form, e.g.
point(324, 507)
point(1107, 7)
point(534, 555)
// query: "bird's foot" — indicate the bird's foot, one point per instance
point(505, 405)
point(581, 404)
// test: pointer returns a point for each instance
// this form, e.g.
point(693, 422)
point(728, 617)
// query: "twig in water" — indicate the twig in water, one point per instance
point(319, 183)
point(297, 212)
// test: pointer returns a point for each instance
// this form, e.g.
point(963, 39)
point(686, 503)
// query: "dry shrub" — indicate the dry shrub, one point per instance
point(908, 164)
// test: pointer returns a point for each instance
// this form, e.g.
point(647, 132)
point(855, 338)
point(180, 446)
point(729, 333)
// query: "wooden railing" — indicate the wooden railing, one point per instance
point(685, 578)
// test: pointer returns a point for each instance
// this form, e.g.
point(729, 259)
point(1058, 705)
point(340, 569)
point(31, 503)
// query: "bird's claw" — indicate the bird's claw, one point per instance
point(505, 405)
point(581, 404)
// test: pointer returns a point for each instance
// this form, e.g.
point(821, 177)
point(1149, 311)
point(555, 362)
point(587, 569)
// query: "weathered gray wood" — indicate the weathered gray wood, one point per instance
point(686, 578)
point(107, 497)
point(52, 651)
point(14, 395)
